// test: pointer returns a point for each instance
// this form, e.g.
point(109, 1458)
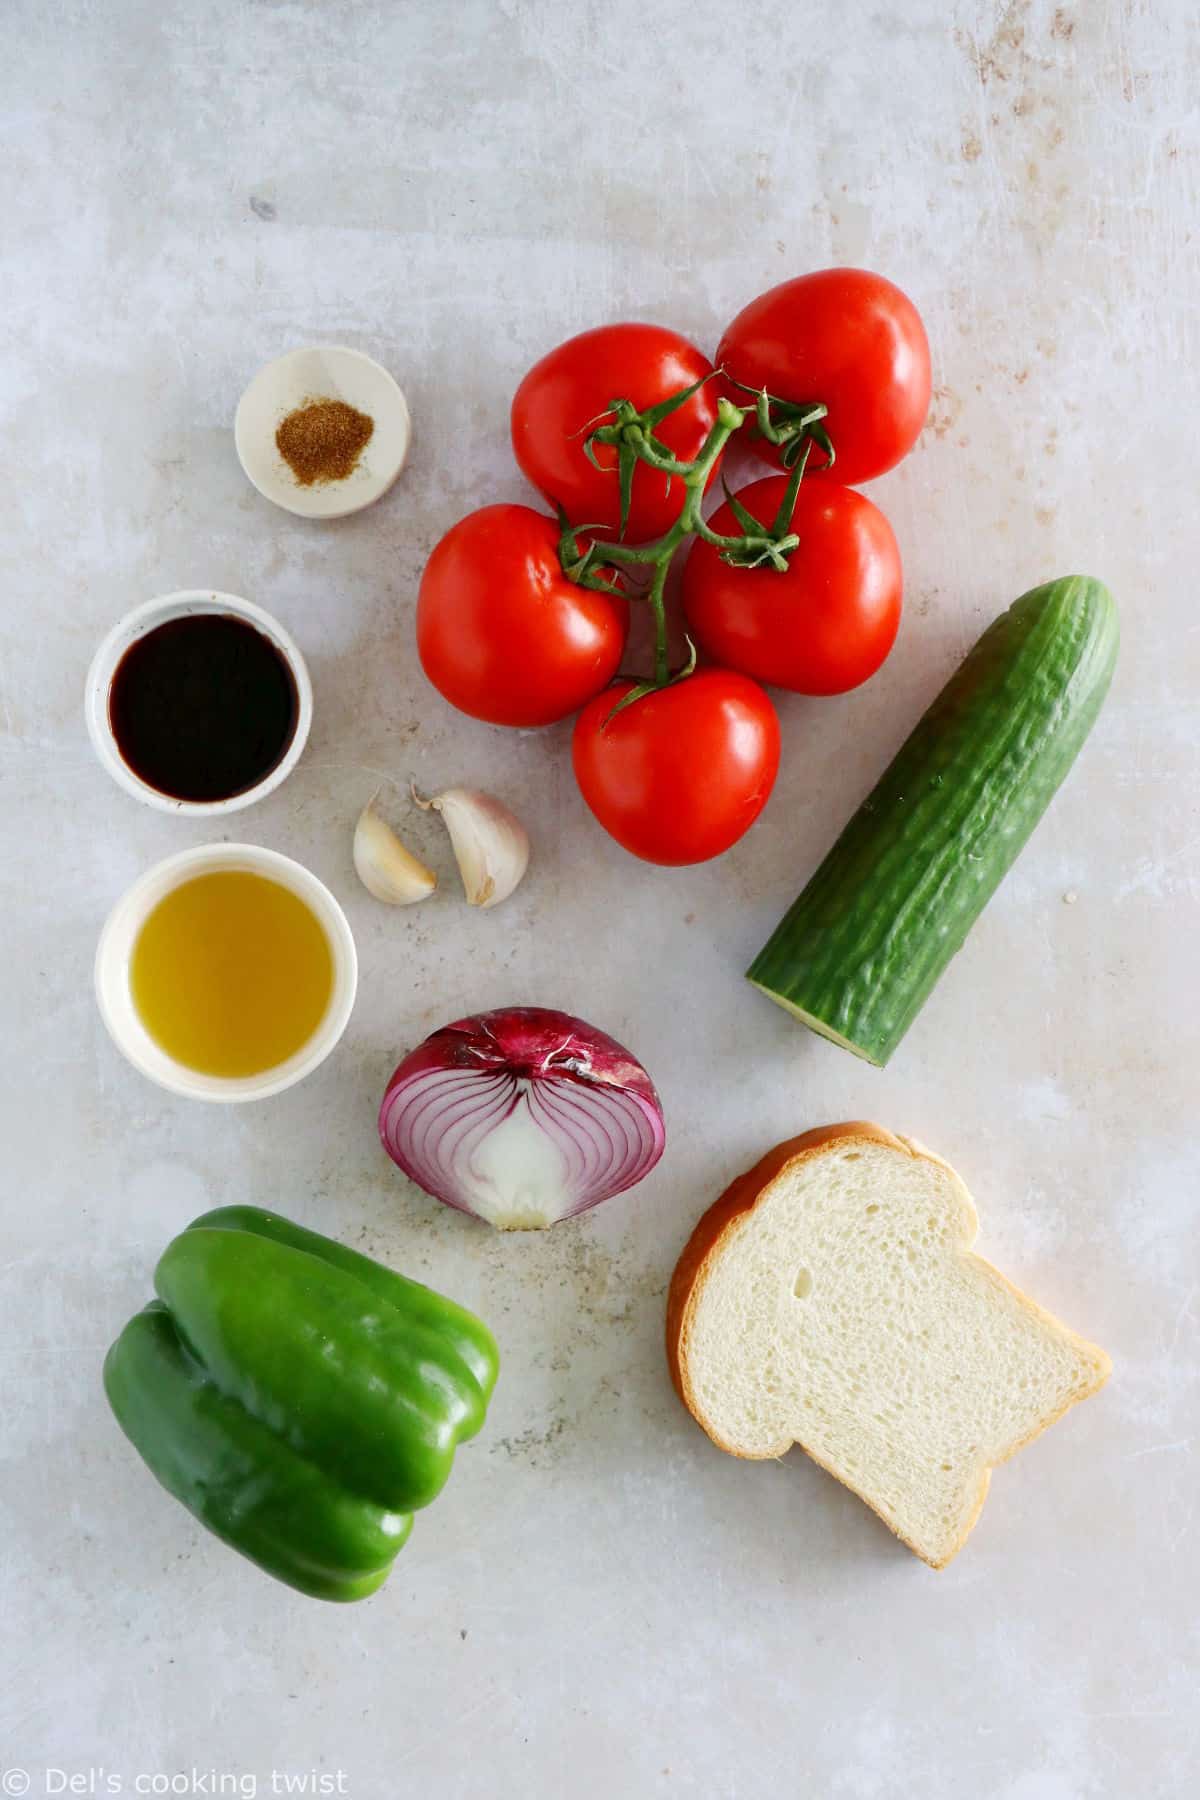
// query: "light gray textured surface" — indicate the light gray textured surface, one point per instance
point(602, 1604)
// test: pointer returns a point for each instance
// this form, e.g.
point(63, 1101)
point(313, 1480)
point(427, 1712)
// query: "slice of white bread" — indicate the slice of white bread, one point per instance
point(830, 1298)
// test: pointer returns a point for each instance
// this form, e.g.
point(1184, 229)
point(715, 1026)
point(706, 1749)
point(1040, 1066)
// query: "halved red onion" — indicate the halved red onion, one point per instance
point(522, 1116)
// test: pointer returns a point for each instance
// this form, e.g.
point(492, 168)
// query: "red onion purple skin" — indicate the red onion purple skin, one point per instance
point(528, 1042)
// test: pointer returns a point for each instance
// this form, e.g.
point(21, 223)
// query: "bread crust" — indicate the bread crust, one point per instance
point(724, 1219)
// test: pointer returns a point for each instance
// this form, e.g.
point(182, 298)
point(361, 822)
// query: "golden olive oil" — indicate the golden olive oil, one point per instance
point(231, 973)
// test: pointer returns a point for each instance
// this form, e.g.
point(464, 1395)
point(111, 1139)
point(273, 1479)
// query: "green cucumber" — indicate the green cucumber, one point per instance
point(860, 951)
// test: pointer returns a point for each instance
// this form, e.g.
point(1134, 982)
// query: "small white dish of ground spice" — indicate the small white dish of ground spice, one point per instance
point(322, 432)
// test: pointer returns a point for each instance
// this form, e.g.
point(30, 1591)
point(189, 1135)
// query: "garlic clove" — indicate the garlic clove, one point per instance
point(491, 846)
point(386, 869)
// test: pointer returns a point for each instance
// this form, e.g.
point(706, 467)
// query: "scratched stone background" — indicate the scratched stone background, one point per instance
point(601, 1604)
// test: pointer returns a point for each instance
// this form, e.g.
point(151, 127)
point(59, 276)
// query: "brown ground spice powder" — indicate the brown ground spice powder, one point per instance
point(323, 440)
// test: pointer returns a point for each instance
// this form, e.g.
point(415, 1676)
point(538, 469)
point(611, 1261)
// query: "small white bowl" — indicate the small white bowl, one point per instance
point(136, 624)
point(322, 374)
point(120, 934)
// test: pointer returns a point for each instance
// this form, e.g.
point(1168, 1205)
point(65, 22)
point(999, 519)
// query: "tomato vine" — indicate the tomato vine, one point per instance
point(602, 563)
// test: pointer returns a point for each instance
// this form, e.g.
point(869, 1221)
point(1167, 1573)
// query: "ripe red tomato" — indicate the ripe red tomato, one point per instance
point(502, 633)
point(571, 389)
point(827, 623)
point(679, 775)
point(847, 338)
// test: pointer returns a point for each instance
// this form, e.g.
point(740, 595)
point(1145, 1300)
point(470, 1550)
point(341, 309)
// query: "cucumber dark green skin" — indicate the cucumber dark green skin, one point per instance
point(861, 949)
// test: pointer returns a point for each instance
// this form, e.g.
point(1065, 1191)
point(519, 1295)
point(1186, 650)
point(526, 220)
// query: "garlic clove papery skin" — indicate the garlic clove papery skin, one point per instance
point(490, 845)
point(386, 869)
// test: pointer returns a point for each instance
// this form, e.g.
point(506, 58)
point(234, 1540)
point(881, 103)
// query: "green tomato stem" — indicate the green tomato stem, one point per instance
point(631, 434)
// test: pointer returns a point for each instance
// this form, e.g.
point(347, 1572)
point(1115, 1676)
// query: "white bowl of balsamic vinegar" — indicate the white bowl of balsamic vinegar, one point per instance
point(198, 703)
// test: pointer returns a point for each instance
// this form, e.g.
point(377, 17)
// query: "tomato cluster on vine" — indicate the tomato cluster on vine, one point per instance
point(794, 582)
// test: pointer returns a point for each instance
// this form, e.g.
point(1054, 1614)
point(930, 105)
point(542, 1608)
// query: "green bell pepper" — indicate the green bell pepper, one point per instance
point(300, 1399)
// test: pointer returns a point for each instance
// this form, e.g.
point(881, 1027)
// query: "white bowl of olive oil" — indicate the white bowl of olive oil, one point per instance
point(226, 972)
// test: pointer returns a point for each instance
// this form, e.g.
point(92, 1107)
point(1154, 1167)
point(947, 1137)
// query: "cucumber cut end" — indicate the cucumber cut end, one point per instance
point(815, 1024)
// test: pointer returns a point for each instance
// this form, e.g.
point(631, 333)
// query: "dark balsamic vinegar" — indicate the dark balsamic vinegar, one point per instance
point(203, 707)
